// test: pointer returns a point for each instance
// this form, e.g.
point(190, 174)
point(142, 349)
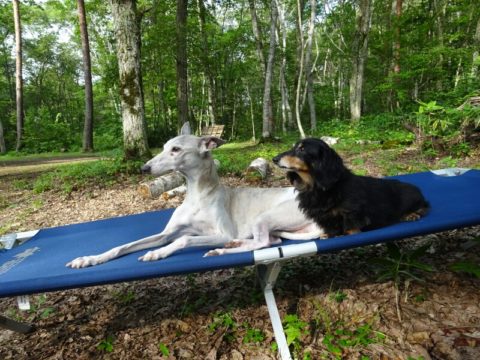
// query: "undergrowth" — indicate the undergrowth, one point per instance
point(68, 178)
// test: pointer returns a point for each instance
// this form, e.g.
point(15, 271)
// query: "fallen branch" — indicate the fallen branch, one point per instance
point(173, 183)
point(153, 189)
point(182, 189)
point(259, 165)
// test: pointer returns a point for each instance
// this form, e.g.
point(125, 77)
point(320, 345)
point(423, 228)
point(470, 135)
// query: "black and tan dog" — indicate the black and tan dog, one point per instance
point(341, 202)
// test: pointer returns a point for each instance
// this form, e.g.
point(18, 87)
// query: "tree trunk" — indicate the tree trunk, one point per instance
point(252, 115)
point(286, 110)
point(182, 75)
point(212, 111)
point(127, 34)
point(301, 61)
point(439, 8)
point(267, 94)
point(360, 52)
point(396, 50)
point(87, 71)
point(257, 33)
point(309, 67)
point(396, 42)
point(3, 148)
point(475, 55)
point(18, 76)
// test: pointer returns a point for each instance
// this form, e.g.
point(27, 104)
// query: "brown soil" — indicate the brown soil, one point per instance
point(189, 315)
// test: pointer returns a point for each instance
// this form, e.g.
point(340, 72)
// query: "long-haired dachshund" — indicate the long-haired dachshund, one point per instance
point(341, 202)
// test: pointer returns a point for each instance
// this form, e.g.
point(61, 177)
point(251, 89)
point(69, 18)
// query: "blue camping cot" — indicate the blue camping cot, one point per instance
point(38, 265)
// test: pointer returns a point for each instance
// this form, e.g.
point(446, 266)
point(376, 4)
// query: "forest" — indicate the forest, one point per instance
point(261, 68)
point(90, 89)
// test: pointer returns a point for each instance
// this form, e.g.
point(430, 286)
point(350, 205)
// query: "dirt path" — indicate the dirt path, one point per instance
point(17, 167)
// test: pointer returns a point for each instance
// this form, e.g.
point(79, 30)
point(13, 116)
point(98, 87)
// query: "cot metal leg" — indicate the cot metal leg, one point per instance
point(268, 275)
point(13, 325)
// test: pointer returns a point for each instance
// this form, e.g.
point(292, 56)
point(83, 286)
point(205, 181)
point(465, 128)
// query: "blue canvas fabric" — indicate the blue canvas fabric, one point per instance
point(39, 264)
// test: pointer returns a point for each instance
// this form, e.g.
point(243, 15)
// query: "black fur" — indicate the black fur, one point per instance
point(341, 202)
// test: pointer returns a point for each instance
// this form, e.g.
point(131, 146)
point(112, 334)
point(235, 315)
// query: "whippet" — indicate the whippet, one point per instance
point(232, 219)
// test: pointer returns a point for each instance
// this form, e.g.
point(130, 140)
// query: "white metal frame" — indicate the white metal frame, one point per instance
point(268, 264)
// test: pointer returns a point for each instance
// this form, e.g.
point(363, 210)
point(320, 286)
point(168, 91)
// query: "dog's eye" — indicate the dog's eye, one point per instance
point(176, 149)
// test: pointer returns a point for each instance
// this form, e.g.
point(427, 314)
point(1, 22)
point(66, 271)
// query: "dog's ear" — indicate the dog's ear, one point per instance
point(328, 168)
point(208, 143)
point(186, 129)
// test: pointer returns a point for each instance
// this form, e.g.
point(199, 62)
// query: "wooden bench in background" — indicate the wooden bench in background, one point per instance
point(215, 130)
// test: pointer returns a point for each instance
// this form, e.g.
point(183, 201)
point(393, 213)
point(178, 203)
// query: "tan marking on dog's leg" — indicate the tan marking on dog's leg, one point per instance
point(412, 217)
point(352, 231)
point(233, 244)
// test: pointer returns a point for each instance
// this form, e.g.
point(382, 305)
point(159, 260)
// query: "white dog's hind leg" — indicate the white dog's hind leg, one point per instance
point(261, 239)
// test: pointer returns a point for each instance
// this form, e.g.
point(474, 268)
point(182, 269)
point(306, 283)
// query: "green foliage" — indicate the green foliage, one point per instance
point(397, 264)
point(124, 297)
point(295, 329)
point(436, 67)
point(338, 296)
point(68, 178)
point(37, 309)
point(431, 119)
point(163, 349)
point(106, 345)
point(253, 335)
point(340, 335)
point(342, 338)
point(234, 158)
point(443, 127)
point(227, 323)
point(467, 267)
point(382, 128)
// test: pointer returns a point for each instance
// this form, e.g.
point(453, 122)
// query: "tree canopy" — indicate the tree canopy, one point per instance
point(427, 51)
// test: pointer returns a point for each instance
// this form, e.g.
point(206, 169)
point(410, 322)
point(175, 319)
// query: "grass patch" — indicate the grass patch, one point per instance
point(235, 157)
point(68, 178)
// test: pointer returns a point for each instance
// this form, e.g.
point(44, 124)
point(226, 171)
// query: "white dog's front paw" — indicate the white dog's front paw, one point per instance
point(152, 255)
point(84, 261)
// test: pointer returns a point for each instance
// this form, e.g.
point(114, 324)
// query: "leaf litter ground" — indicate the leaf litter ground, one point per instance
point(347, 312)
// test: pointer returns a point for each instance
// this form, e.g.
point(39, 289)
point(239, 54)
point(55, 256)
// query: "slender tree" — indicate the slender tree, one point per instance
point(309, 65)
point(301, 61)
point(360, 52)
point(476, 55)
point(397, 13)
point(127, 35)
point(287, 118)
point(19, 76)
point(3, 148)
point(267, 93)
point(212, 108)
point(182, 75)
point(257, 33)
point(87, 72)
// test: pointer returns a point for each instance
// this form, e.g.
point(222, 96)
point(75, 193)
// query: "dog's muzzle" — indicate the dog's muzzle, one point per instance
point(146, 169)
point(276, 159)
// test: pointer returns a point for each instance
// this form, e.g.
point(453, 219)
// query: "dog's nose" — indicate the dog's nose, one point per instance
point(146, 169)
point(276, 159)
